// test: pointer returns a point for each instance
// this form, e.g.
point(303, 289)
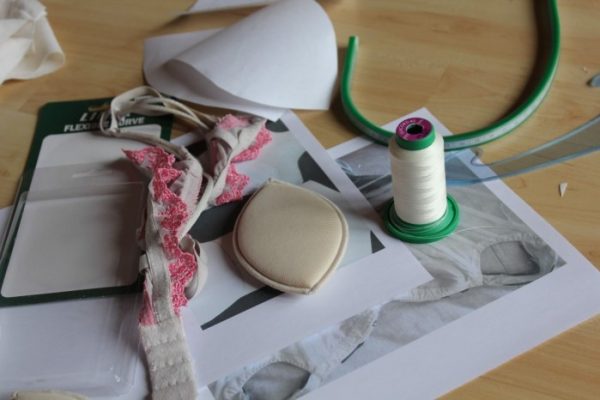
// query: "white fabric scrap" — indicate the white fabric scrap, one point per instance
point(28, 47)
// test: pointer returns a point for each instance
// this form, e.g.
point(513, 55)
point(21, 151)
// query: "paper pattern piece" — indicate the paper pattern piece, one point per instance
point(159, 50)
point(236, 309)
point(462, 337)
point(216, 5)
point(282, 56)
point(28, 47)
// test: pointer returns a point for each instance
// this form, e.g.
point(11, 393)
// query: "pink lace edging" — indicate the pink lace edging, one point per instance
point(235, 182)
point(173, 215)
point(234, 186)
point(252, 152)
point(175, 211)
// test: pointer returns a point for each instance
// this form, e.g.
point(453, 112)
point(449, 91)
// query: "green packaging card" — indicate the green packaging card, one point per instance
point(73, 231)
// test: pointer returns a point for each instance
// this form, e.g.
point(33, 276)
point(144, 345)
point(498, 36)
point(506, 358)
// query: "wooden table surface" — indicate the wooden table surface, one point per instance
point(468, 62)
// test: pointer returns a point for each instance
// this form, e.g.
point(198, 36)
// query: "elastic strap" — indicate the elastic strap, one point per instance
point(169, 362)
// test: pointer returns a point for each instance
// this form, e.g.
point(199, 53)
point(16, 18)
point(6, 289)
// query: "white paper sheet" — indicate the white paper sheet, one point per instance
point(488, 336)
point(216, 5)
point(282, 56)
point(158, 50)
point(371, 278)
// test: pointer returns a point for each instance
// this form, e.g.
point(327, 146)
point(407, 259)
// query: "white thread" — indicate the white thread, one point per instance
point(419, 182)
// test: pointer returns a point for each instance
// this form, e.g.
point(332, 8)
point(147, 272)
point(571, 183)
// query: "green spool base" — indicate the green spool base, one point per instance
point(425, 233)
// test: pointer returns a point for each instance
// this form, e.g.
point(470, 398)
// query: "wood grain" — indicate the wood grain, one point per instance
point(467, 61)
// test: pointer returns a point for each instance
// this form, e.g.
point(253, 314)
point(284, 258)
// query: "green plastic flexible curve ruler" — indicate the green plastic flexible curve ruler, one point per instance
point(468, 139)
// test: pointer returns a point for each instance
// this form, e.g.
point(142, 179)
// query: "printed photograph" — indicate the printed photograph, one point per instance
point(491, 254)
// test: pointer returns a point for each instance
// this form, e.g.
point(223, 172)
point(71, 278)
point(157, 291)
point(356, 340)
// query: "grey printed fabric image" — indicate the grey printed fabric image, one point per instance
point(492, 253)
point(490, 247)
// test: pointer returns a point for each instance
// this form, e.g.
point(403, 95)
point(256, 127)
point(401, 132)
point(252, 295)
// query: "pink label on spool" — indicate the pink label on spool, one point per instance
point(413, 129)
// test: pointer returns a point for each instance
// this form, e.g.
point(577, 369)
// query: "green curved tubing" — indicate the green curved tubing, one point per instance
point(468, 139)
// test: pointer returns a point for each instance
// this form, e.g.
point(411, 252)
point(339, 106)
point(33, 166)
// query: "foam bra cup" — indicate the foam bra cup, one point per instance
point(290, 238)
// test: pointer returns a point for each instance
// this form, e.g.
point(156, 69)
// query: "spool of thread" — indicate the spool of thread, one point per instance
point(421, 211)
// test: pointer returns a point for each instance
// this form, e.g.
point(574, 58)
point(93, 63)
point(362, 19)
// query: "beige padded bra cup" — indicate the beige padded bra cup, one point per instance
point(290, 238)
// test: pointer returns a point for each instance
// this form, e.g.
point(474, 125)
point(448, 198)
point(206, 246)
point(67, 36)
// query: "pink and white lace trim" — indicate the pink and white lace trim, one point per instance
point(235, 182)
point(172, 216)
